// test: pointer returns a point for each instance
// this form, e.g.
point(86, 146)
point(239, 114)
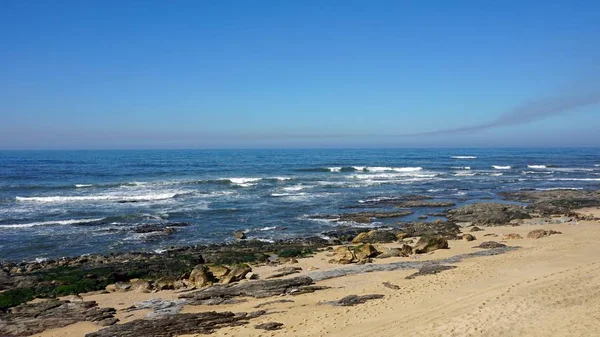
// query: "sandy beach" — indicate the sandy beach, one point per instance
point(547, 287)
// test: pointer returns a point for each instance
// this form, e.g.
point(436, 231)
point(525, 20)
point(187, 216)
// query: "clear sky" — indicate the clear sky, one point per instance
point(275, 74)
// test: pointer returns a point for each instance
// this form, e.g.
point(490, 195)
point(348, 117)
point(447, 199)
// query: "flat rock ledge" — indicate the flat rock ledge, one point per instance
point(257, 289)
point(200, 323)
point(351, 300)
point(32, 318)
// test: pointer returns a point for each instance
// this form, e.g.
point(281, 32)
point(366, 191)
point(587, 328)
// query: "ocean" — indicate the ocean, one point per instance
point(67, 203)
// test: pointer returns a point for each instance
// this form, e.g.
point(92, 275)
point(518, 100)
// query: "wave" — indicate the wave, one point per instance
point(461, 168)
point(558, 188)
point(362, 169)
point(53, 222)
point(574, 179)
point(501, 167)
point(83, 185)
point(597, 165)
point(106, 197)
point(242, 182)
point(537, 172)
point(464, 174)
point(537, 166)
point(463, 157)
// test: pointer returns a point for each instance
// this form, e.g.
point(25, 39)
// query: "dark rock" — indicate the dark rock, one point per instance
point(421, 204)
point(391, 286)
point(378, 201)
point(490, 245)
point(556, 202)
point(448, 230)
point(32, 318)
point(375, 236)
point(476, 229)
point(428, 244)
point(236, 274)
point(429, 269)
point(511, 236)
point(258, 289)
point(351, 300)
point(272, 302)
point(181, 324)
point(269, 326)
point(363, 217)
point(239, 235)
point(488, 214)
point(468, 237)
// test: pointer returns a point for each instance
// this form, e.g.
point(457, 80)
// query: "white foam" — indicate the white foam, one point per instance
point(83, 185)
point(104, 197)
point(243, 180)
point(575, 179)
point(335, 169)
point(378, 199)
point(461, 168)
point(393, 169)
point(295, 188)
point(464, 174)
point(537, 166)
point(359, 168)
point(463, 157)
point(501, 167)
point(40, 259)
point(282, 178)
point(54, 222)
point(559, 188)
point(537, 172)
point(268, 228)
point(597, 165)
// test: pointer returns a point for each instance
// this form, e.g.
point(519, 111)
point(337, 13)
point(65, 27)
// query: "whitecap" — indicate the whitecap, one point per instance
point(52, 222)
point(335, 169)
point(240, 181)
point(574, 179)
point(501, 167)
point(463, 157)
point(83, 185)
point(536, 166)
point(461, 168)
point(464, 174)
point(393, 169)
point(104, 197)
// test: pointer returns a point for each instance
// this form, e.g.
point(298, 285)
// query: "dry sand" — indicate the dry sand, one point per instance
point(548, 287)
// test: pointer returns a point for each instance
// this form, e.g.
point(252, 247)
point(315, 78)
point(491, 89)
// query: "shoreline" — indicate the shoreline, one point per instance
point(414, 261)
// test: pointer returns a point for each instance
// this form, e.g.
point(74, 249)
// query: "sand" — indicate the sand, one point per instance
point(547, 287)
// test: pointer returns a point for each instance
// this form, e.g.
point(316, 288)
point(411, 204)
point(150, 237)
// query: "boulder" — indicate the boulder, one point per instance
point(365, 251)
point(375, 236)
point(449, 230)
point(428, 244)
point(476, 229)
point(236, 274)
point(239, 235)
point(468, 237)
point(200, 277)
point(343, 255)
point(490, 245)
point(218, 271)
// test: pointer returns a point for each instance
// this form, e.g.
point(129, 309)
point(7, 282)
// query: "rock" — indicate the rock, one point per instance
point(428, 244)
point(488, 214)
point(181, 324)
point(556, 202)
point(492, 235)
point(122, 286)
point(360, 238)
point(468, 237)
point(490, 245)
point(258, 289)
point(403, 251)
point(218, 271)
point(111, 288)
point(421, 203)
point(476, 229)
point(363, 217)
point(512, 236)
point(448, 230)
point(429, 269)
point(391, 286)
point(269, 326)
point(351, 300)
point(199, 276)
point(363, 252)
point(271, 302)
point(236, 274)
point(239, 235)
point(540, 233)
point(401, 236)
point(283, 272)
point(33, 318)
point(343, 255)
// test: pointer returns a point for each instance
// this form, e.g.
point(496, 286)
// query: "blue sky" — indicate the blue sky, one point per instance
point(273, 74)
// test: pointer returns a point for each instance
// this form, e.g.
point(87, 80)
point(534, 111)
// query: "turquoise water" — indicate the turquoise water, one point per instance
point(60, 203)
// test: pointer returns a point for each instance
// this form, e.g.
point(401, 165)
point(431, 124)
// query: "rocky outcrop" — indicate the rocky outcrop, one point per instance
point(556, 202)
point(427, 244)
point(351, 300)
point(540, 233)
point(353, 254)
point(488, 214)
point(363, 217)
point(449, 230)
point(403, 251)
point(258, 289)
point(284, 271)
point(422, 204)
point(181, 324)
point(32, 318)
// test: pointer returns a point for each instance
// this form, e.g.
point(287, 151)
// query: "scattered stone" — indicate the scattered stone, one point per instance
point(468, 237)
point(512, 236)
point(490, 245)
point(540, 233)
point(199, 276)
point(476, 229)
point(272, 302)
point(181, 324)
point(31, 318)
point(427, 244)
point(391, 286)
point(488, 214)
point(492, 235)
point(269, 326)
point(429, 269)
point(283, 272)
point(351, 300)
